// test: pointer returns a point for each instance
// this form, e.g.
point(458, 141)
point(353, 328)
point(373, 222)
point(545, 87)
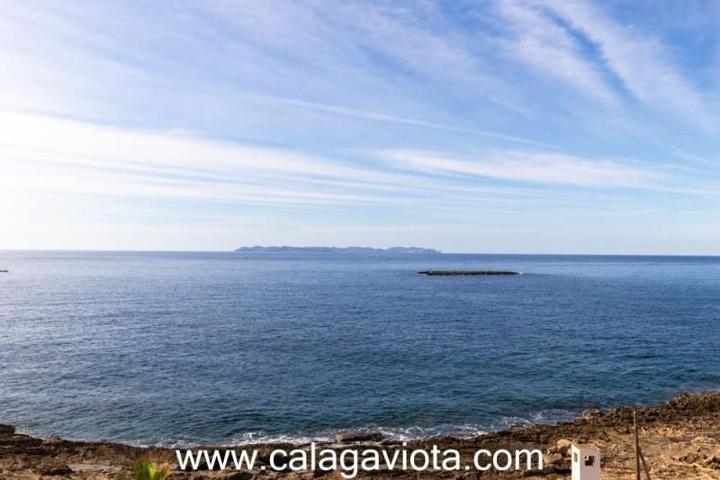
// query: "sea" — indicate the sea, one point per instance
point(187, 348)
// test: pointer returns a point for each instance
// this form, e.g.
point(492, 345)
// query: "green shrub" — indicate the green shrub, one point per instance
point(144, 470)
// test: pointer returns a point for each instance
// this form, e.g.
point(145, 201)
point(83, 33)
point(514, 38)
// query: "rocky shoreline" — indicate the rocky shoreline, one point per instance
point(680, 439)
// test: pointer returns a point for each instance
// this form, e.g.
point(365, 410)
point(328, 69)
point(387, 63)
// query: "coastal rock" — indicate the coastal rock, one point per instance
point(89, 467)
point(356, 436)
point(563, 446)
point(241, 476)
point(680, 442)
point(19, 441)
point(713, 462)
point(553, 459)
point(591, 414)
point(56, 471)
point(6, 430)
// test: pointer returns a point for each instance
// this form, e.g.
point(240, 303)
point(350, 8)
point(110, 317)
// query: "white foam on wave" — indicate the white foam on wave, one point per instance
point(395, 434)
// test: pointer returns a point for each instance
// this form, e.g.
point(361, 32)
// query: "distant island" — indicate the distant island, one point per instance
point(353, 250)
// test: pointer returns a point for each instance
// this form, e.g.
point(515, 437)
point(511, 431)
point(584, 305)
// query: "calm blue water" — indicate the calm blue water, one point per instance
point(213, 347)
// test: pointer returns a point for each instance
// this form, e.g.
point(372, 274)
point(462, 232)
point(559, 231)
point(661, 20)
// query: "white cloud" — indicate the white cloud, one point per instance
point(62, 174)
point(60, 155)
point(56, 155)
point(543, 44)
point(527, 167)
point(313, 88)
point(383, 117)
point(641, 62)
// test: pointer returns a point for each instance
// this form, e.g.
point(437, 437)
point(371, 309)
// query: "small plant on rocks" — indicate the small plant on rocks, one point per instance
point(144, 470)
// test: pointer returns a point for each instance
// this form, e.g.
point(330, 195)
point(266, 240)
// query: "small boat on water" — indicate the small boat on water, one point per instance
point(4, 271)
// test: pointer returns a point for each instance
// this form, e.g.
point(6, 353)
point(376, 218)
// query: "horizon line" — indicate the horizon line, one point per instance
point(439, 252)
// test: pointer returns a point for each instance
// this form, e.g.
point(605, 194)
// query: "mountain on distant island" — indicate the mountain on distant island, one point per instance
point(353, 250)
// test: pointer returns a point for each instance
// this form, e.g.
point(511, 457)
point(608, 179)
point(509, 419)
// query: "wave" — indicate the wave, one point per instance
point(327, 436)
point(403, 434)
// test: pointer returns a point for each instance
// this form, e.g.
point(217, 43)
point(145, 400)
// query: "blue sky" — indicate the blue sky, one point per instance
point(563, 126)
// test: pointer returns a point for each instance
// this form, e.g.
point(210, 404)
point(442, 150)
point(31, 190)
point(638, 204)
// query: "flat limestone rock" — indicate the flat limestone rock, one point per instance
point(90, 467)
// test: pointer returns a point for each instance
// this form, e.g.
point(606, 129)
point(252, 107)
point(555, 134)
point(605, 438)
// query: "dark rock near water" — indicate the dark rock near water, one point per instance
point(18, 441)
point(6, 430)
point(590, 414)
point(465, 272)
point(349, 437)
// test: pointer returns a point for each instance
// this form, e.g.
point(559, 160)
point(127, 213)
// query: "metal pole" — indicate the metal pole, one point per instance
point(637, 446)
point(645, 467)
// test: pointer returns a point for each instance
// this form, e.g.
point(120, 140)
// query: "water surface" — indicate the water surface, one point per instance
point(221, 347)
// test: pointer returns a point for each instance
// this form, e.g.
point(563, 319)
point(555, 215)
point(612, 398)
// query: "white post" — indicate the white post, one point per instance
point(585, 462)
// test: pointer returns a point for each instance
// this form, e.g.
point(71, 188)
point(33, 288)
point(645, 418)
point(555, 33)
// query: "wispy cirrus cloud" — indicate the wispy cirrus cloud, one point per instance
point(531, 167)
point(543, 44)
point(57, 156)
point(487, 109)
point(414, 122)
point(641, 62)
point(48, 154)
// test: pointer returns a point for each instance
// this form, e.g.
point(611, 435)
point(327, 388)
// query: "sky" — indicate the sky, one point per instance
point(498, 126)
